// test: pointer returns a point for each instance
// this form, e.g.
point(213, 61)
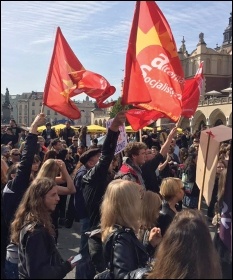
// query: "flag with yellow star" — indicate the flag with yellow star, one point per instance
point(154, 78)
point(59, 87)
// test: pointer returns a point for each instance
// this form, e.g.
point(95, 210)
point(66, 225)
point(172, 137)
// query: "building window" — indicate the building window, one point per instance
point(20, 119)
point(33, 103)
point(33, 112)
point(55, 113)
point(48, 112)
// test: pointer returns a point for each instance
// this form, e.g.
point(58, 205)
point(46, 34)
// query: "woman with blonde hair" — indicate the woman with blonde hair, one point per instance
point(151, 205)
point(33, 232)
point(120, 213)
point(186, 250)
point(172, 191)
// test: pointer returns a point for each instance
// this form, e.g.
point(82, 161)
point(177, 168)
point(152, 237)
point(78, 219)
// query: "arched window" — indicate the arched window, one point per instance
point(187, 69)
point(218, 122)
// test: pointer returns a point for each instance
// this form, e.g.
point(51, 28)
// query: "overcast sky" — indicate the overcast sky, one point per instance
point(98, 33)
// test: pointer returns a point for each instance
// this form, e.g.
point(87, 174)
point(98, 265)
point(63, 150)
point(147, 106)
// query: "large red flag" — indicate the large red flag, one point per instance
point(192, 91)
point(154, 77)
point(94, 85)
point(139, 118)
point(58, 84)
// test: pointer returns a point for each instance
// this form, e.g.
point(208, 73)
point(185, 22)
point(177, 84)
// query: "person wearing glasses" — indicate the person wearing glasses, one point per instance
point(172, 191)
point(74, 146)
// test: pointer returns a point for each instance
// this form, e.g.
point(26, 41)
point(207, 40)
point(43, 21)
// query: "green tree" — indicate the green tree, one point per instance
point(118, 107)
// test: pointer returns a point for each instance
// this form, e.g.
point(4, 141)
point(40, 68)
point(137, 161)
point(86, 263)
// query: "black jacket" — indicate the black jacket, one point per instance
point(129, 254)
point(15, 188)
point(95, 181)
point(149, 175)
point(166, 216)
point(39, 257)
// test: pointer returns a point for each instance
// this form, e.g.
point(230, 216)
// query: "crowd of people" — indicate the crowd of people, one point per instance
point(137, 210)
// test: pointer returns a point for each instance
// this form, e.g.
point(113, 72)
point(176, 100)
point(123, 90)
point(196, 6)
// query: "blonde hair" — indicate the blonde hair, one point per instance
point(121, 205)
point(170, 186)
point(49, 169)
point(151, 203)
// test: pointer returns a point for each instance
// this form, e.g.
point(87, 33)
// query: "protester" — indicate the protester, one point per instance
point(186, 250)
point(48, 134)
point(33, 232)
point(135, 156)
point(67, 133)
point(19, 179)
point(94, 184)
point(172, 191)
point(16, 132)
point(120, 212)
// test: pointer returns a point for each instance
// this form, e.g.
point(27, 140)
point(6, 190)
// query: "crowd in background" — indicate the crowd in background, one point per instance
point(143, 200)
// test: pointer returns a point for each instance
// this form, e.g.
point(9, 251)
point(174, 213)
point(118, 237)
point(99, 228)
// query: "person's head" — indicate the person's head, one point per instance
point(38, 202)
point(13, 123)
point(221, 165)
point(191, 160)
point(48, 125)
point(75, 140)
point(183, 154)
point(151, 204)
point(149, 154)
point(136, 151)
point(90, 157)
point(67, 123)
point(49, 169)
point(187, 250)
point(9, 131)
point(36, 163)
point(171, 150)
point(155, 150)
point(121, 205)
point(15, 155)
point(57, 144)
point(172, 189)
point(81, 149)
point(5, 151)
point(41, 140)
point(173, 142)
point(50, 154)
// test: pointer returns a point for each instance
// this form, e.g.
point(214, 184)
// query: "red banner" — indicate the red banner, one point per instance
point(192, 91)
point(154, 78)
point(94, 85)
point(139, 118)
point(58, 84)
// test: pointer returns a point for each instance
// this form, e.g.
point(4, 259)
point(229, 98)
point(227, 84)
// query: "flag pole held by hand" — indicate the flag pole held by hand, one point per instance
point(42, 109)
point(179, 121)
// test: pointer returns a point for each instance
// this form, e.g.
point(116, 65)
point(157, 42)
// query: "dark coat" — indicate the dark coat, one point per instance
point(52, 134)
point(149, 175)
point(15, 188)
point(129, 254)
point(95, 181)
point(166, 216)
point(39, 257)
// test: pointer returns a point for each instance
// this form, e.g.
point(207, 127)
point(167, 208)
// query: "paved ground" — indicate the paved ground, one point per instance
point(69, 239)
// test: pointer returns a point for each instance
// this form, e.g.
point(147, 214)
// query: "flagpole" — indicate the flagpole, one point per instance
point(179, 121)
point(202, 186)
point(140, 135)
point(42, 109)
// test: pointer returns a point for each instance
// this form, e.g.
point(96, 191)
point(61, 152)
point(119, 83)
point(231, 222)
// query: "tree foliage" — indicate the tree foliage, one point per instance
point(118, 107)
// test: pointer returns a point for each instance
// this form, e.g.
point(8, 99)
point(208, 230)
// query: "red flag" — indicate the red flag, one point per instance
point(94, 85)
point(154, 77)
point(58, 84)
point(192, 91)
point(139, 118)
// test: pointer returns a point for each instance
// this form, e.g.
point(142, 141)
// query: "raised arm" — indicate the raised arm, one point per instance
point(65, 178)
point(166, 145)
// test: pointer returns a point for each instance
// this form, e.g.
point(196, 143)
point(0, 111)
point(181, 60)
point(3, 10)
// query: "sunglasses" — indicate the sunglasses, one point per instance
point(16, 154)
